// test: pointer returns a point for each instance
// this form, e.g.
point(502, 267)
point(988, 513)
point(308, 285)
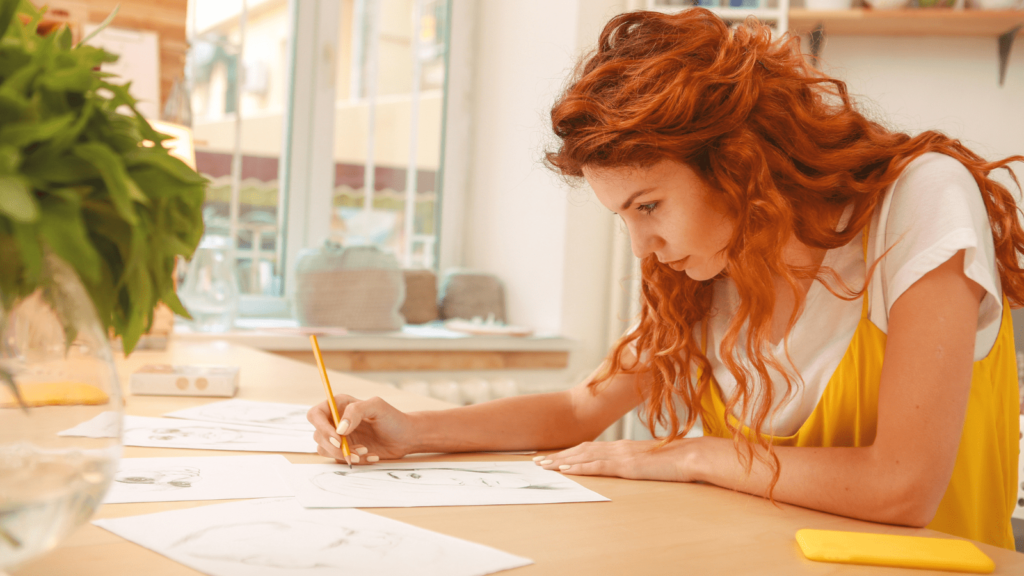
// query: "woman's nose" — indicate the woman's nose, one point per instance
point(643, 244)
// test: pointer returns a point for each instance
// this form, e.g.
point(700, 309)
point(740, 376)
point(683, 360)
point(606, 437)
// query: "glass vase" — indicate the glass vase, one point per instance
point(56, 372)
point(210, 289)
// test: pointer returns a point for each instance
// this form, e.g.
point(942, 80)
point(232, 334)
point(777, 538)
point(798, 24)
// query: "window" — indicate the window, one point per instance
point(307, 116)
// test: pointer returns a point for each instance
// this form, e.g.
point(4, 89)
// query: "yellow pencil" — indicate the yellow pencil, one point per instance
point(330, 396)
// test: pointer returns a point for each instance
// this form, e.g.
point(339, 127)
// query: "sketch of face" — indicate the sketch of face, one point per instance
point(404, 484)
point(258, 415)
point(193, 435)
point(441, 477)
point(156, 480)
point(289, 544)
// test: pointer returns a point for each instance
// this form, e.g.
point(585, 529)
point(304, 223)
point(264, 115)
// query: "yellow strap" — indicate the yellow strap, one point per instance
point(863, 310)
point(864, 306)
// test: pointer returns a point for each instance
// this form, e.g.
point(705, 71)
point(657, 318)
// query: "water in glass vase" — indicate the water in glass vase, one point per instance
point(45, 494)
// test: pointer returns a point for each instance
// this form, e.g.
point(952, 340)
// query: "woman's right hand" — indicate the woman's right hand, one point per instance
point(375, 429)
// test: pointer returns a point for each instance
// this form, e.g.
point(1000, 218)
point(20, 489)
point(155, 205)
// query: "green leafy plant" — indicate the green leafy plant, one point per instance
point(82, 181)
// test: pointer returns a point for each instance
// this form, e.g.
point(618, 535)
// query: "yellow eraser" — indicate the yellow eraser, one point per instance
point(893, 550)
point(35, 394)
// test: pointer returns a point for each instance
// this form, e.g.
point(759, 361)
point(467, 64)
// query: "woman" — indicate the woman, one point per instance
point(830, 297)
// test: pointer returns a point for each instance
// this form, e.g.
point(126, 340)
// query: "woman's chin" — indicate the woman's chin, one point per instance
point(702, 273)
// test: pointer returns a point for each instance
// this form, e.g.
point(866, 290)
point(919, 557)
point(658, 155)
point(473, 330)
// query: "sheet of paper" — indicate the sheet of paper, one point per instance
point(278, 537)
point(388, 485)
point(175, 433)
point(250, 413)
point(199, 478)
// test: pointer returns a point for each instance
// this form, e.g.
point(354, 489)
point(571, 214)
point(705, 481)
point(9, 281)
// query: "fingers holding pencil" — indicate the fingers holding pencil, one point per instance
point(329, 442)
point(372, 425)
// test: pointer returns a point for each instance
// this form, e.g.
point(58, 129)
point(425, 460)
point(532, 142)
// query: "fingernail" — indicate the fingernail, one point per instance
point(342, 427)
point(564, 467)
point(372, 458)
point(334, 441)
point(361, 450)
point(545, 462)
point(538, 458)
point(355, 458)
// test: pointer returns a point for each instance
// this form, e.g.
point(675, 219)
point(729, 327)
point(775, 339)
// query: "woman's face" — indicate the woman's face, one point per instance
point(669, 214)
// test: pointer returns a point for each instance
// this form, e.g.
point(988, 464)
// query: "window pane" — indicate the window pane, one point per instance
point(386, 101)
point(237, 68)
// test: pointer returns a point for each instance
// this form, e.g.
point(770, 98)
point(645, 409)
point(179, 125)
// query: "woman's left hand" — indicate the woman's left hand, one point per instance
point(633, 459)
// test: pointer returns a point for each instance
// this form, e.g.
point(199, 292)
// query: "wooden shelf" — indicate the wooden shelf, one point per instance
point(921, 22)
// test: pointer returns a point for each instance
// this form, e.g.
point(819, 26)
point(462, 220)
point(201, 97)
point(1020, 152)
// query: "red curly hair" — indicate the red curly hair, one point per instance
point(777, 143)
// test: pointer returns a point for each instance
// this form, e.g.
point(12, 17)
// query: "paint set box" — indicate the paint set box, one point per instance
point(185, 380)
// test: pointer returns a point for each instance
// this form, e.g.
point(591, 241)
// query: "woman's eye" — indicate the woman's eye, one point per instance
point(647, 208)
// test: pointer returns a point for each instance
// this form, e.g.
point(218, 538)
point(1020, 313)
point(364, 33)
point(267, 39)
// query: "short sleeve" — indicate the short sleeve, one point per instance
point(931, 212)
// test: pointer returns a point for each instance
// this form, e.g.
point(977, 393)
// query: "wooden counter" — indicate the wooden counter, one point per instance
point(647, 528)
point(414, 348)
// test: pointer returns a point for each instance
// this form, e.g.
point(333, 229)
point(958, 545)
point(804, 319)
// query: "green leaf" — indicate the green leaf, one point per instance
point(7, 10)
point(27, 239)
point(64, 170)
point(103, 293)
point(106, 22)
point(120, 132)
point(17, 84)
point(135, 193)
point(65, 233)
point(63, 308)
point(93, 56)
point(17, 200)
point(54, 103)
point(10, 159)
point(103, 221)
point(21, 134)
point(12, 106)
point(157, 183)
point(159, 158)
point(171, 299)
point(12, 58)
point(122, 97)
point(113, 173)
point(64, 38)
point(69, 80)
point(66, 138)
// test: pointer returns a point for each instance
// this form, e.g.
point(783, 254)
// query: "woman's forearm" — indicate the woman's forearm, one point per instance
point(854, 482)
point(529, 422)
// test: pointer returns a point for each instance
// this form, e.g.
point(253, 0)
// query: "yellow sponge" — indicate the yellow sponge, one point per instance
point(35, 394)
point(892, 550)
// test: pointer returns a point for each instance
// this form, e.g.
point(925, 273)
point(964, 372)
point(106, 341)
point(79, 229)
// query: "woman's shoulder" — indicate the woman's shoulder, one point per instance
point(934, 191)
point(933, 210)
point(934, 171)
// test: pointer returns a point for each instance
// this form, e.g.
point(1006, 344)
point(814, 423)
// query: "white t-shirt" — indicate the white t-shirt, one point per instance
point(932, 211)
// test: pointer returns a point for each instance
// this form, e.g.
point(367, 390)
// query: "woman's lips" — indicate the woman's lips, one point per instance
point(678, 265)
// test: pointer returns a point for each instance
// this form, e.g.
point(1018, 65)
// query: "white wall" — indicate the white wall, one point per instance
point(948, 84)
point(548, 241)
point(515, 209)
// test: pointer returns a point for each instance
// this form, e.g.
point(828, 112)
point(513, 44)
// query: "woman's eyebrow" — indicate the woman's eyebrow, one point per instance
point(634, 196)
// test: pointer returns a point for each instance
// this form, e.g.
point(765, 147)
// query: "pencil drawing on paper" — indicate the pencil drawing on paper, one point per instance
point(158, 479)
point(273, 415)
point(423, 480)
point(303, 545)
point(195, 435)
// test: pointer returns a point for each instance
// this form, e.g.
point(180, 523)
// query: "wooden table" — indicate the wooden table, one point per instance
point(647, 528)
point(414, 348)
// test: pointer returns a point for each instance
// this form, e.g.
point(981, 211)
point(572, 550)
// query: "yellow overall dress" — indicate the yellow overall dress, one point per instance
point(982, 492)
